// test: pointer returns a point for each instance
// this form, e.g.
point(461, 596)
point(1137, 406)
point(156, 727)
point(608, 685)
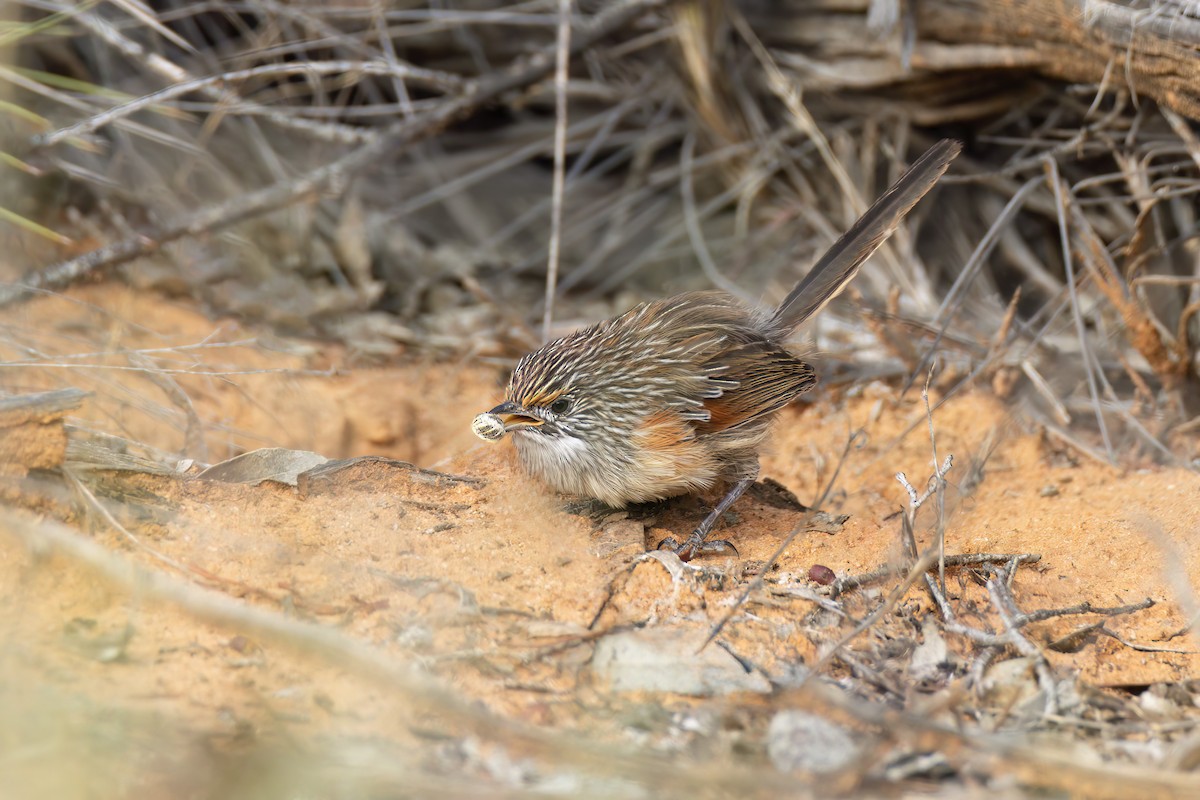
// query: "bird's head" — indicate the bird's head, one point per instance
point(600, 383)
point(555, 391)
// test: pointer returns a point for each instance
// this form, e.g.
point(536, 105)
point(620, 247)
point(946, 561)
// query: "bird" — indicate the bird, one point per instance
point(677, 396)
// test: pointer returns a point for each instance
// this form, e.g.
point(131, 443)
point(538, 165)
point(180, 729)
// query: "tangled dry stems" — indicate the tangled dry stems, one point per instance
point(251, 144)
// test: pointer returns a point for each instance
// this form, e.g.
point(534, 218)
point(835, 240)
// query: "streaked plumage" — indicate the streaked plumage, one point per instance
point(669, 397)
point(677, 395)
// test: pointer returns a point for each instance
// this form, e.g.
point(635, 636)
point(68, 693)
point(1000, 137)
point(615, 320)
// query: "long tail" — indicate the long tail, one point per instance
point(840, 263)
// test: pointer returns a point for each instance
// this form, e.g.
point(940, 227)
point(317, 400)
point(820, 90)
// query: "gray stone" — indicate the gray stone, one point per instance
point(797, 740)
point(662, 659)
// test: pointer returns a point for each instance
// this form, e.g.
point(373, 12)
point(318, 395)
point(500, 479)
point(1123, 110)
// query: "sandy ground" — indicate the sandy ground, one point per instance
point(486, 579)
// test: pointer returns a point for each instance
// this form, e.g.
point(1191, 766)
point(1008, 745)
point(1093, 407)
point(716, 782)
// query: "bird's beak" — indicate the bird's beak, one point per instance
point(515, 417)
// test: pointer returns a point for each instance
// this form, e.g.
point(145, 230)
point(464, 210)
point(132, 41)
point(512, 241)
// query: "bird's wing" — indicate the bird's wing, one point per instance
point(768, 378)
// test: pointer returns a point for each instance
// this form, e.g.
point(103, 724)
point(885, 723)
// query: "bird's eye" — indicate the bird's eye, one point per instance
point(560, 406)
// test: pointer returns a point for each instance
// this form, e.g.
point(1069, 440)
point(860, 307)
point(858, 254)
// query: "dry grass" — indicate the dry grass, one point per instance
point(408, 178)
point(351, 174)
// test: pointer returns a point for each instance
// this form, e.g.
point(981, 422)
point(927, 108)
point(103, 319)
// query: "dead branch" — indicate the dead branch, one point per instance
point(332, 176)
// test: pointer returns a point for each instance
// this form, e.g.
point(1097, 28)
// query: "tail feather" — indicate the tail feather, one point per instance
point(840, 264)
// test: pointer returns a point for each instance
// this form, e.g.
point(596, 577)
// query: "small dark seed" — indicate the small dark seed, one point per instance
point(819, 573)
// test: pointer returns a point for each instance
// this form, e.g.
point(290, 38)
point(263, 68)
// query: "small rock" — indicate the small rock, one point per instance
point(1011, 682)
point(662, 659)
point(930, 659)
point(624, 537)
point(797, 740)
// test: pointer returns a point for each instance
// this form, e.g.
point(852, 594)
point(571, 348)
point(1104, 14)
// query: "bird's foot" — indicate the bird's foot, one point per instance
point(695, 545)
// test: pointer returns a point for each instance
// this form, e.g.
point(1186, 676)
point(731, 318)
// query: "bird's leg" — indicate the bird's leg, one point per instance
point(695, 544)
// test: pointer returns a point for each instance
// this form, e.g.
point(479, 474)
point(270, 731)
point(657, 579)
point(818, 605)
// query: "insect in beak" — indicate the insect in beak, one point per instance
point(491, 426)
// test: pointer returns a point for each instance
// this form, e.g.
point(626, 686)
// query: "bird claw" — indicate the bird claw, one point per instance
point(695, 545)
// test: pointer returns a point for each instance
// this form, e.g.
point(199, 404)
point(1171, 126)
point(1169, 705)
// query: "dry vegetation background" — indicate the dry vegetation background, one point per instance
point(330, 229)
